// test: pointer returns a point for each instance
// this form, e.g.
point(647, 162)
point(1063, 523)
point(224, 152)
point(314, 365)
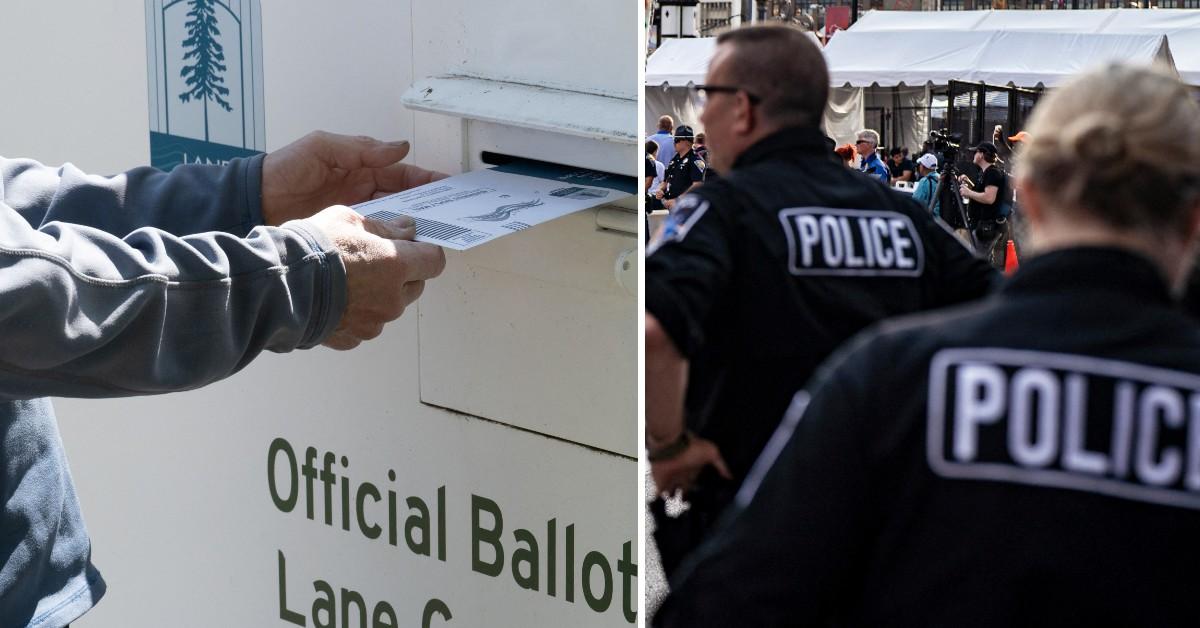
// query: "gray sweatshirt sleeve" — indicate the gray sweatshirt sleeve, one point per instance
point(87, 313)
point(189, 199)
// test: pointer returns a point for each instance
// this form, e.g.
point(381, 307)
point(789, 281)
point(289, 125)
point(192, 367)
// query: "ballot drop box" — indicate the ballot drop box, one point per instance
point(473, 466)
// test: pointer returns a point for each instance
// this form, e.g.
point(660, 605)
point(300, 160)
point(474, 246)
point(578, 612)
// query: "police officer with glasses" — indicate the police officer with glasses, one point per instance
point(759, 275)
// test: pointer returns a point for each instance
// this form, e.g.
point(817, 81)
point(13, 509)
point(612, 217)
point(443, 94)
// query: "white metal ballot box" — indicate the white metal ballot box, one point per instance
point(476, 464)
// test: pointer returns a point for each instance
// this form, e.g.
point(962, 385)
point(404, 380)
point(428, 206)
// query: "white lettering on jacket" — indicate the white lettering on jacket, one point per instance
point(851, 242)
point(1102, 426)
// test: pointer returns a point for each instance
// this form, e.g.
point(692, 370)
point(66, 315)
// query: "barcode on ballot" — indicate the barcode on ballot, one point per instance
point(384, 215)
point(438, 230)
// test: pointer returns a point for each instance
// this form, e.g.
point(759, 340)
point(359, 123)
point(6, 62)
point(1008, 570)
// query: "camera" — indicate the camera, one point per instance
point(947, 143)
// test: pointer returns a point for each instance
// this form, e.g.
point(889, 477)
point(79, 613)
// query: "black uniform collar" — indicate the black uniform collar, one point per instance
point(691, 153)
point(787, 141)
point(1091, 268)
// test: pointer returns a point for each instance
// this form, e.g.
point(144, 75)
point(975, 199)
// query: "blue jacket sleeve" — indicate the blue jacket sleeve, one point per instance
point(84, 312)
point(201, 198)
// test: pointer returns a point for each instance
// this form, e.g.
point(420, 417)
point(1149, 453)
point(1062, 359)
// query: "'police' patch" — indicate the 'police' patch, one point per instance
point(700, 164)
point(852, 242)
point(1114, 428)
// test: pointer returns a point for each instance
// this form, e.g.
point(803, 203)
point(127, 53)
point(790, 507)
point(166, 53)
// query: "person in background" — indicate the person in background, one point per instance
point(664, 140)
point(848, 154)
point(700, 148)
point(925, 191)
point(955, 468)
point(654, 167)
point(900, 168)
point(685, 172)
point(872, 165)
point(654, 178)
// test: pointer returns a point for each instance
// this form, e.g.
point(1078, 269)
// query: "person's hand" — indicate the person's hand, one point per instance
point(385, 270)
point(679, 472)
point(669, 203)
point(324, 169)
point(964, 191)
point(996, 134)
point(658, 194)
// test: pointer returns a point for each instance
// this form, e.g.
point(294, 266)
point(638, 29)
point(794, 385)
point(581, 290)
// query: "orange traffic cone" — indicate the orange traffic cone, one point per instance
point(1010, 259)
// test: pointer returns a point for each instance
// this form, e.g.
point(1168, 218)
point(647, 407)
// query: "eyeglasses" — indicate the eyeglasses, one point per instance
point(702, 91)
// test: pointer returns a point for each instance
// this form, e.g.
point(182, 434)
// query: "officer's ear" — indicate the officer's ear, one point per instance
point(745, 116)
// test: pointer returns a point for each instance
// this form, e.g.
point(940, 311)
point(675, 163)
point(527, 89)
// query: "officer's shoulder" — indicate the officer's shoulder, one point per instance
point(913, 338)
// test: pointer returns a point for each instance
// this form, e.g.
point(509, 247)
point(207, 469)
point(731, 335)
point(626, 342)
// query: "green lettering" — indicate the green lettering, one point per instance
point(383, 611)
point(551, 557)
point(599, 603)
point(628, 570)
point(371, 531)
point(349, 596)
point(324, 604)
point(480, 535)
point(435, 606)
point(441, 523)
point(419, 521)
point(290, 616)
point(527, 555)
point(569, 572)
point(284, 504)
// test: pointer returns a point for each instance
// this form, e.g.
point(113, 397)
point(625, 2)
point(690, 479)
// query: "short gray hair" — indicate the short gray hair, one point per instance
point(871, 135)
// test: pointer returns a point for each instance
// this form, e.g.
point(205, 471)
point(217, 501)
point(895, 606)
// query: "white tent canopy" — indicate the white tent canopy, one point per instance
point(679, 62)
point(1180, 26)
point(1020, 58)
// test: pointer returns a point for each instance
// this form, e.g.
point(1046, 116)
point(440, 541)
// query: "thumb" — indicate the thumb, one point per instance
point(381, 154)
point(718, 462)
point(399, 228)
point(351, 152)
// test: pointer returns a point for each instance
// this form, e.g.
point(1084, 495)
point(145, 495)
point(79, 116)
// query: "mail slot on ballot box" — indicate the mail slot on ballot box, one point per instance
point(535, 95)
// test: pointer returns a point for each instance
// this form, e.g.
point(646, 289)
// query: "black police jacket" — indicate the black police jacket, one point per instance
point(1029, 460)
point(762, 273)
point(682, 172)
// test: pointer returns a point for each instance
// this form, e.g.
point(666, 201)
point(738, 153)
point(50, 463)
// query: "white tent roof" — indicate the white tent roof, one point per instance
point(1021, 58)
point(1181, 26)
point(679, 62)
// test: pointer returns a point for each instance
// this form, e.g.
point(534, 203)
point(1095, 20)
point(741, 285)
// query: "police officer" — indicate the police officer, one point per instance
point(685, 171)
point(760, 274)
point(1030, 460)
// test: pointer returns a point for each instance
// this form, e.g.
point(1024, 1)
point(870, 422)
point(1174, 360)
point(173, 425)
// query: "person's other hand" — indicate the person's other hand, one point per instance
point(385, 270)
point(658, 194)
point(678, 473)
point(669, 203)
point(324, 169)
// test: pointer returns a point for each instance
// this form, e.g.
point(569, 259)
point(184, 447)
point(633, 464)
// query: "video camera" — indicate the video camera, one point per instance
point(947, 143)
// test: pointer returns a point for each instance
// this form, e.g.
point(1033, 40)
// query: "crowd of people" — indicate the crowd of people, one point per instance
point(870, 425)
point(677, 162)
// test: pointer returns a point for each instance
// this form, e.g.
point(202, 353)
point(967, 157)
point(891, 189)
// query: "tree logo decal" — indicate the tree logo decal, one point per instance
point(204, 76)
point(204, 66)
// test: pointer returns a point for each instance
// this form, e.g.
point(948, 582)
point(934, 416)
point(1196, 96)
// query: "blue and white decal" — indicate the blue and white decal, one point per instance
point(852, 242)
point(687, 210)
point(204, 67)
